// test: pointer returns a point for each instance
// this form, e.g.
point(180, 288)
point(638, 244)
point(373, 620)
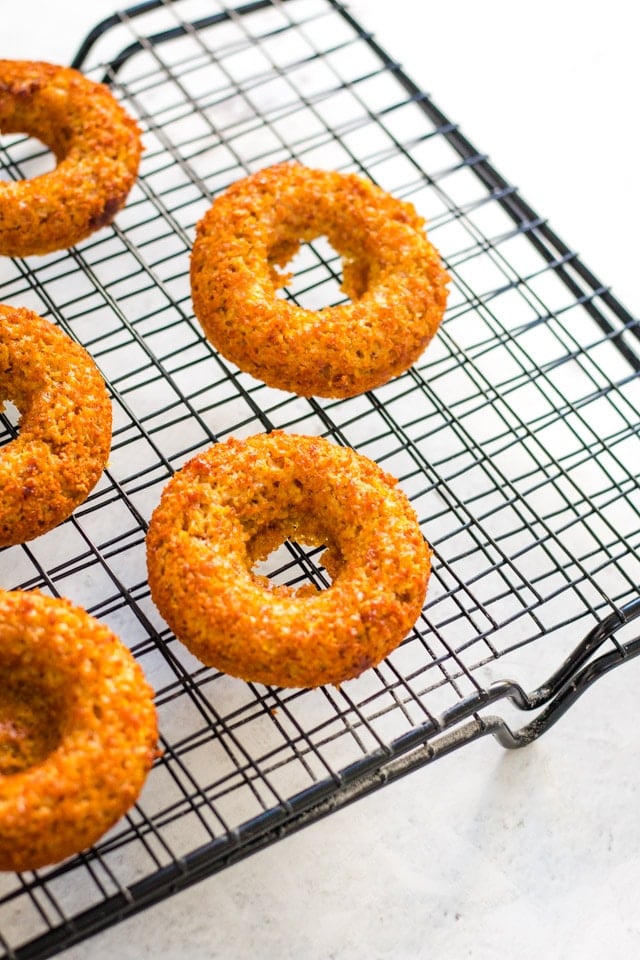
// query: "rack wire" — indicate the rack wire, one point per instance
point(516, 436)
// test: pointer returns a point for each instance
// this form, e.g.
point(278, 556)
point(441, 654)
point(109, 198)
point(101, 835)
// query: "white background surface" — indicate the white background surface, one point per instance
point(484, 854)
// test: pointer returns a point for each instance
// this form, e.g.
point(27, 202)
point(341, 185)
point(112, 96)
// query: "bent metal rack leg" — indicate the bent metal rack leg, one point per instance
point(516, 437)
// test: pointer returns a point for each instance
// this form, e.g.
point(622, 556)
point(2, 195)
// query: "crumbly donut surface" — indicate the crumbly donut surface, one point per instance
point(78, 729)
point(65, 425)
point(97, 147)
point(391, 273)
point(230, 506)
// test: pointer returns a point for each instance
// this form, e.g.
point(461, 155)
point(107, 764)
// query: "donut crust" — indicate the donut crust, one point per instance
point(65, 425)
point(230, 506)
point(78, 729)
point(97, 148)
point(391, 273)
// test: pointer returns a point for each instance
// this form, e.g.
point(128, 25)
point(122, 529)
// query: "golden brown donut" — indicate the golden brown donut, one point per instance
point(391, 272)
point(65, 425)
point(229, 507)
point(78, 729)
point(96, 145)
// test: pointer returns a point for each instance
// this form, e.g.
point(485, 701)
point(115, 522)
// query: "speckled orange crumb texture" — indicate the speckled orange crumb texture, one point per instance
point(97, 147)
point(65, 425)
point(391, 272)
point(231, 506)
point(78, 730)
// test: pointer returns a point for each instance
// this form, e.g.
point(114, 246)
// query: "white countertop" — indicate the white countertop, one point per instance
point(484, 853)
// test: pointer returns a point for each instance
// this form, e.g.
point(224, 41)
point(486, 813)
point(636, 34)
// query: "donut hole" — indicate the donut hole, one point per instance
point(10, 418)
point(288, 568)
point(286, 558)
point(24, 157)
point(313, 277)
point(30, 723)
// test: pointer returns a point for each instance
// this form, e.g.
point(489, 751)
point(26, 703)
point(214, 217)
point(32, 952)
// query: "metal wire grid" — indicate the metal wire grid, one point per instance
point(515, 436)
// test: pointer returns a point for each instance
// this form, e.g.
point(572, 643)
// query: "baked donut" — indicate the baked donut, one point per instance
point(78, 729)
point(391, 272)
point(65, 425)
point(97, 149)
point(230, 506)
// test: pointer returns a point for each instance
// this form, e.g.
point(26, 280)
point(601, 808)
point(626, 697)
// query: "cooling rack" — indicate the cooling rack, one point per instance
point(515, 436)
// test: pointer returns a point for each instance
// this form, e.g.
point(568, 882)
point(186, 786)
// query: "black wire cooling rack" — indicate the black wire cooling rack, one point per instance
point(516, 437)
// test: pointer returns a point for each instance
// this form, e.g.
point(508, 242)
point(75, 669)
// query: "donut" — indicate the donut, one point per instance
point(97, 149)
point(78, 729)
point(64, 433)
point(391, 273)
point(229, 507)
